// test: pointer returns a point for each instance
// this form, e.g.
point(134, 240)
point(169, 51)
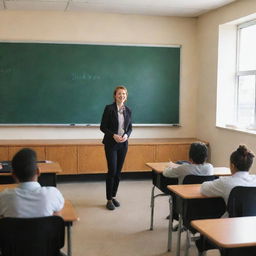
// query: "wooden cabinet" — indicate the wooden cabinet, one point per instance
point(88, 156)
point(172, 153)
point(40, 151)
point(137, 156)
point(66, 156)
point(3, 153)
point(91, 159)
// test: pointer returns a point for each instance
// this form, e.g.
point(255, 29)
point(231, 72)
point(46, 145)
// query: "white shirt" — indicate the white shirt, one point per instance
point(223, 186)
point(120, 112)
point(30, 200)
point(188, 169)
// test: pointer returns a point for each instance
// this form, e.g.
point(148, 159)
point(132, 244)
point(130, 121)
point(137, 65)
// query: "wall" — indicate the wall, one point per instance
point(222, 141)
point(52, 26)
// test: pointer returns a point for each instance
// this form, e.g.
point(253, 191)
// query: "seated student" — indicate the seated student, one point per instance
point(29, 199)
point(240, 162)
point(198, 154)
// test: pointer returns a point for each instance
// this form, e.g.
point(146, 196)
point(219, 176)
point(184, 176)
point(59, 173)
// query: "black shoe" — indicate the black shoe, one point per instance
point(110, 205)
point(115, 202)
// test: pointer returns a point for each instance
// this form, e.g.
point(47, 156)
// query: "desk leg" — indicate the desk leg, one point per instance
point(188, 238)
point(223, 252)
point(179, 236)
point(169, 246)
point(152, 205)
point(69, 245)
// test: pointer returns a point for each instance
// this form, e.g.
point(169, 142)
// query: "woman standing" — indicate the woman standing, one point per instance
point(116, 125)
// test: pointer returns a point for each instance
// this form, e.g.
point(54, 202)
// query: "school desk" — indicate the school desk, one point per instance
point(188, 200)
point(67, 213)
point(228, 233)
point(161, 182)
point(47, 176)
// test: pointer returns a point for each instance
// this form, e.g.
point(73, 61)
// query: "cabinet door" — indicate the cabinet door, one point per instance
point(91, 159)
point(137, 156)
point(3, 153)
point(40, 151)
point(173, 152)
point(66, 156)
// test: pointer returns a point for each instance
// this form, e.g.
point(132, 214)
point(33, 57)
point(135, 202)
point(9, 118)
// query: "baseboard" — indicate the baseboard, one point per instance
point(102, 177)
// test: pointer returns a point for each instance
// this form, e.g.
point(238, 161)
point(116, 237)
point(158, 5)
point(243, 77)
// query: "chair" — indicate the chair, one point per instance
point(241, 203)
point(42, 236)
point(200, 208)
point(198, 179)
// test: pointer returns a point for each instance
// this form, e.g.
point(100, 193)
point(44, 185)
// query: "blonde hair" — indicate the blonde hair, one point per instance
point(120, 87)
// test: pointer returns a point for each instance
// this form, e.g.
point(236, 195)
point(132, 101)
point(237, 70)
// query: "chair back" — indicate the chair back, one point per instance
point(242, 202)
point(198, 179)
point(42, 236)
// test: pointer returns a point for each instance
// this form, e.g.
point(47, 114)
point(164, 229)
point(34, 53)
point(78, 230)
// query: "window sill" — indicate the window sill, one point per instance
point(238, 129)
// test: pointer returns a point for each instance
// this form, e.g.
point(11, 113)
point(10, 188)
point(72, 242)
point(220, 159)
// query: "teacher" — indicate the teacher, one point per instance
point(116, 125)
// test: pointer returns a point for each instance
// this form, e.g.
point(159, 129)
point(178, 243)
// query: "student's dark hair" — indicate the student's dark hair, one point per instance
point(24, 164)
point(198, 152)
point(242, 158)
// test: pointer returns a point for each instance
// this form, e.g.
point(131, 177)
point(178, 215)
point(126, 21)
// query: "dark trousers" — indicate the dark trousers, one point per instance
point(115, 156)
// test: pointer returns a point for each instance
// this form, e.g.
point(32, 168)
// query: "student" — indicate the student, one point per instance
point(198, 154)
point(29, 199)
point(240, 162)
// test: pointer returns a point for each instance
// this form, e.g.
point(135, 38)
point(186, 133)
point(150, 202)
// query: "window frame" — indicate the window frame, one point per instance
point(239, 73)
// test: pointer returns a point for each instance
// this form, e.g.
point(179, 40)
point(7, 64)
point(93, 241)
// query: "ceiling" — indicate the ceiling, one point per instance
point(182, 8)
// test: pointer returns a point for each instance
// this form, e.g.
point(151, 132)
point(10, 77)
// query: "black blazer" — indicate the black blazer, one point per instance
point(109, 123)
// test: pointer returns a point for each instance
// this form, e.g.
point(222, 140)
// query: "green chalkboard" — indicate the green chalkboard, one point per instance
point(46, 83)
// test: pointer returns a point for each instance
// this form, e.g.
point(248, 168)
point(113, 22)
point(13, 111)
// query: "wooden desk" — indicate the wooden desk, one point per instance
point(228, 232)
point(160, 166)
point(47, 176)
point(49, 167)
point(186, 197)
point(157, 178)
point(187, 191)
point(67, 213)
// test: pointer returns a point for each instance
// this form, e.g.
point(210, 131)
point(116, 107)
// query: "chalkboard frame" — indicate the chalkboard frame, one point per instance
point(97, 124)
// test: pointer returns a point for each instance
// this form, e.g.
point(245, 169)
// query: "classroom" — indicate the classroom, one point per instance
point(207, 82)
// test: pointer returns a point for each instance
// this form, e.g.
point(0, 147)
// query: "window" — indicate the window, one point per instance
point(245, 91)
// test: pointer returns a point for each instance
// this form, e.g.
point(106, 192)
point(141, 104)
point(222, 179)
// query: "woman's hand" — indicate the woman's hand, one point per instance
point(118, 138)
point(124, 138)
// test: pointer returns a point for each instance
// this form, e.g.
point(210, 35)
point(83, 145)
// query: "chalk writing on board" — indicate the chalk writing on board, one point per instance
point(84, 76)
point(5, 70)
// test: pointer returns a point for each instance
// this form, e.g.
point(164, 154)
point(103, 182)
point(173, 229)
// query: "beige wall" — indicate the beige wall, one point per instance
point(108, 28)
point(198, 104)
point(222, 141)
